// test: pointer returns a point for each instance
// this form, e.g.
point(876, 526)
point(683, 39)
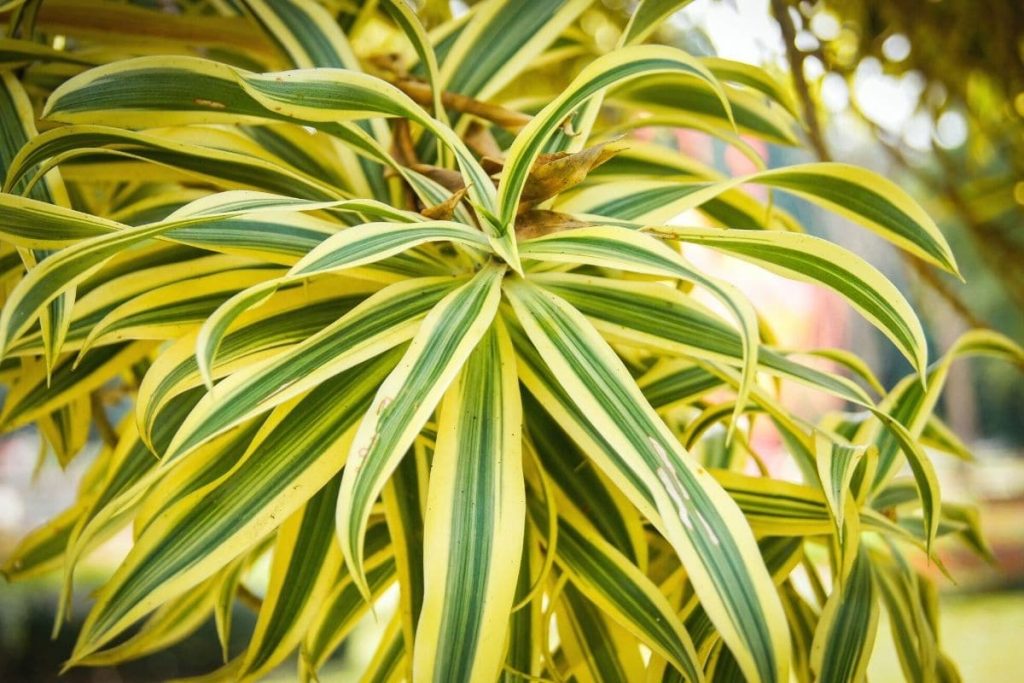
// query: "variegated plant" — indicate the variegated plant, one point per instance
point(409, 307)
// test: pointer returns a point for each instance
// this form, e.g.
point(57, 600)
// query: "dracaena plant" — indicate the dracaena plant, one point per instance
point(399, 307)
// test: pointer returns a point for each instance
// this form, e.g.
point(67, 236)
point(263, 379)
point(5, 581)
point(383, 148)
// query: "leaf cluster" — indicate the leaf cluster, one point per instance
point(387, 326)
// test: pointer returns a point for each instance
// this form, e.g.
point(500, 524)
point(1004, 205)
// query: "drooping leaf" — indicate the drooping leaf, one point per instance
point(680, 498)
point(405, 400)
point(474, 523)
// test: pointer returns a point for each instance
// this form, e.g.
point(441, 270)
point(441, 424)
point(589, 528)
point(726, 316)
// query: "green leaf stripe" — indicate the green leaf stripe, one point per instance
point(622, 65)
point(268, 484)
point(405, 400)
point(474, 520)
point(567, 467)
point(306, 568)
point(705, 542)
point(846, 632)
point(379, 323)
point(273, 331)
point(343, 608)
point(608, 578)
point(667, 318)
point(812, 259)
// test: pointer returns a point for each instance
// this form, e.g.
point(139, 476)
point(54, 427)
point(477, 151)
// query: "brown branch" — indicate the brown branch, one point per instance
point(796, 66)
point(923, 271)
point(248, 598)
point(952, 299)
point(102, 422)
point(508, 119)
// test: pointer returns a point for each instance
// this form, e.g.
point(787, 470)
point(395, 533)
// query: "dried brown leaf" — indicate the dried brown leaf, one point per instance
point(446, 209)
point(539, 222)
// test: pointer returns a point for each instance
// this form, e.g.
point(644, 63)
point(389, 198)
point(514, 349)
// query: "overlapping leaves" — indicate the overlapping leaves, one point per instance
point(321, 293)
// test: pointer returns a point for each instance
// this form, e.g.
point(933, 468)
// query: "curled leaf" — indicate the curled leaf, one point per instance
point(555, 173)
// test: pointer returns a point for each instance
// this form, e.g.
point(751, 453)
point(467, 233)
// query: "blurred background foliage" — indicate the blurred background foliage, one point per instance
point(958, 68)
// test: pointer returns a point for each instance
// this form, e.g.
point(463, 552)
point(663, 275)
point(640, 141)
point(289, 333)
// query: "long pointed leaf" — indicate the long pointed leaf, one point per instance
point(699, 519)
point(474, 524)
point(405, 400)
